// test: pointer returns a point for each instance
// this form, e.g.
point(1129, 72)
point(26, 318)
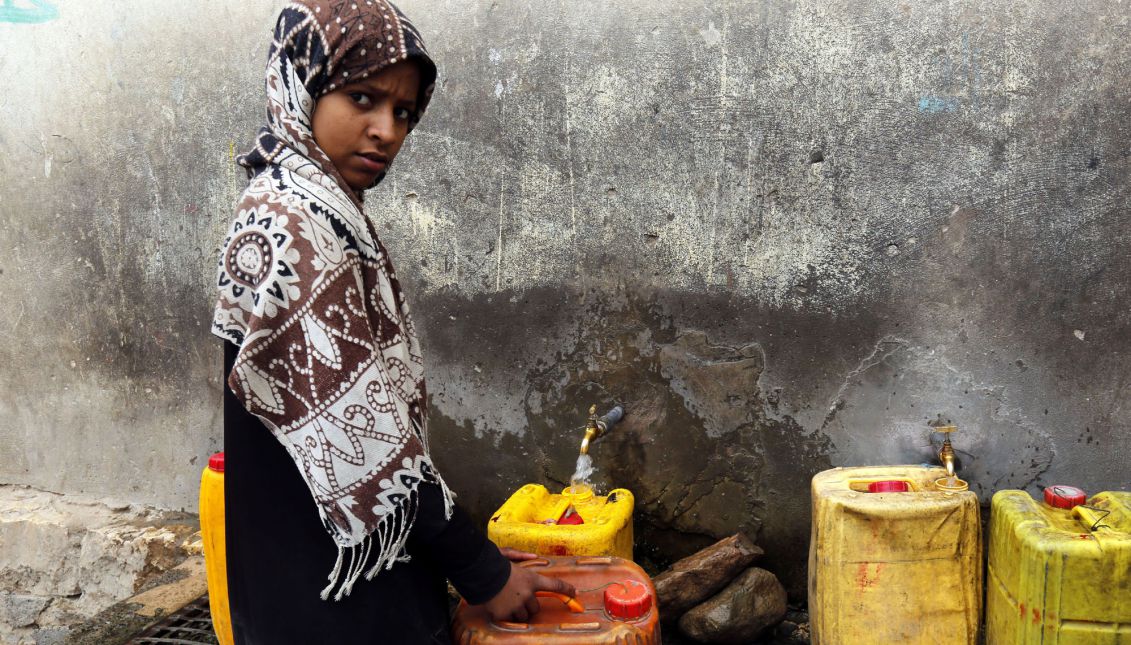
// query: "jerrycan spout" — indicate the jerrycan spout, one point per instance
point(596, 426)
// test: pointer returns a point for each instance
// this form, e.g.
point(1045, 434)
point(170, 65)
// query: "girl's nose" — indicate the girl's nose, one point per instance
point(381, 126)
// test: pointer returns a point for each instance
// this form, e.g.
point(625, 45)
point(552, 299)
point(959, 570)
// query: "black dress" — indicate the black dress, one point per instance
point(279, 555)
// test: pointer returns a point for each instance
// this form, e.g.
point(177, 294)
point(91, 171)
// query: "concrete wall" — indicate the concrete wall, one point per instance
point(785, 234)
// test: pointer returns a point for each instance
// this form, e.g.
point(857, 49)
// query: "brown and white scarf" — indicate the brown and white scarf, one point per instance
point(328, 355)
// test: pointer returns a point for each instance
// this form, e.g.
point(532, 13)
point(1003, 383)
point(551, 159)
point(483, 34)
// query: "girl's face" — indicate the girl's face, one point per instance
point(362, 126)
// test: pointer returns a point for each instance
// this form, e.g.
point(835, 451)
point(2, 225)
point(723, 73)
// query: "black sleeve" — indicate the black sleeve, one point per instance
point(464, 554)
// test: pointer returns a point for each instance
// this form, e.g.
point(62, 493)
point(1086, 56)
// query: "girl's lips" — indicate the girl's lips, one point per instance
point(371, 165)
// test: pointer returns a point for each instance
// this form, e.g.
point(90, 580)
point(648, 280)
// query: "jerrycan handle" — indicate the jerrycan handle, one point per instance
point(616, 495)
point(1092, 517)
point(570, 603)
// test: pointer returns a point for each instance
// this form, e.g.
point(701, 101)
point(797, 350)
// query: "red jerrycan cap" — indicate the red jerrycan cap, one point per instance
point(216, 462)
point(627, 600)
point(1064, 496)
point(889, 486)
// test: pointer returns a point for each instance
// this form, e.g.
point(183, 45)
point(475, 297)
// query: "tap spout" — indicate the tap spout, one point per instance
point(596, 427)
point(589, 435)
point(947, 456)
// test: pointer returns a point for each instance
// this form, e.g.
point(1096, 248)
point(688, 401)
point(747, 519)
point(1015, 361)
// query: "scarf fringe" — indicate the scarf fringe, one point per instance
point(380, 549)
point(389, 538)
point(449, 497)
point(335, 573)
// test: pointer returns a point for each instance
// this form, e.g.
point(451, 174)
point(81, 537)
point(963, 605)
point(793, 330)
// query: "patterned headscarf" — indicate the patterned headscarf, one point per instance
point(318, 47)
point(328, 355)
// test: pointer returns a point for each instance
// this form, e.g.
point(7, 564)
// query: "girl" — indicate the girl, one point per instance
point(339, 528)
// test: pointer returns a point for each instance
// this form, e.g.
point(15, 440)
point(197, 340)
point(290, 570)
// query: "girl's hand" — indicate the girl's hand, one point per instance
point(516, 601)
point(514, 555)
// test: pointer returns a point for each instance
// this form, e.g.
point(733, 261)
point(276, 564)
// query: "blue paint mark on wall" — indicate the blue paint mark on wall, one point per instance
point(29, 12)
point(936, 104)
point(958, 82)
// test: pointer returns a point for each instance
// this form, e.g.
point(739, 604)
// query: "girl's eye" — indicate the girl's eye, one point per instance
point(359, 98)
point(402, 114)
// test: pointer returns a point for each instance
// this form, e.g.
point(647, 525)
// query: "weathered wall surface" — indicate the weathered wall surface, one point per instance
point(786, 235)
point(117, 130)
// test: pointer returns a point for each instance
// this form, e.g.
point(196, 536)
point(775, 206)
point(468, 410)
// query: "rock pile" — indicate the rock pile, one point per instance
point(65, 558)
point(717, 597)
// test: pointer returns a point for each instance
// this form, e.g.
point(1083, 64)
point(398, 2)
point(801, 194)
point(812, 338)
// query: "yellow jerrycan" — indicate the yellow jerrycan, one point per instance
point(212, 533)
point(1059, 569)
point(576, 522)
point(895, 557)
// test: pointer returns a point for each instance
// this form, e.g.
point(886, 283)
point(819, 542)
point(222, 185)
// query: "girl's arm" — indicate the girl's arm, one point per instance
point(479, 571)
point(473, 563)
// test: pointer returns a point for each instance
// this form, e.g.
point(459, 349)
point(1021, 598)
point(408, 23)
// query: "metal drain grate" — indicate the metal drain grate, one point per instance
point(191, 625)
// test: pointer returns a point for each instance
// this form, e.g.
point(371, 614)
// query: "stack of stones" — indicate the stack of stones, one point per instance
point(717, 597)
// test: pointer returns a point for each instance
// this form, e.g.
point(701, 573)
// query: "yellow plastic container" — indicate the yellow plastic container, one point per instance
point(1059, 576)
point(893, 567)
point(535, 520)
point(215, 559)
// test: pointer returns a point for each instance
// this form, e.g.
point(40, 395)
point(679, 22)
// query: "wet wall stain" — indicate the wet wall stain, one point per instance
point(697, 447)
point(732, 406)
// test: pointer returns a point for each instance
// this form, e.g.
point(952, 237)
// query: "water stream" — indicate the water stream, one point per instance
point(583, 471)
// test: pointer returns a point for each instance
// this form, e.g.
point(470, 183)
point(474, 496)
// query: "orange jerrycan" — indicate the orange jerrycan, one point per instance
point(576, 522)
point(212, 533)
point(615, 605)
point(1059, 569)
point(895, 557)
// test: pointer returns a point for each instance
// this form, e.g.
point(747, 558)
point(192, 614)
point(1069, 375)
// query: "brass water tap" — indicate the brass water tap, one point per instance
point(596, 426)
point(946, 452)
point(592, 430)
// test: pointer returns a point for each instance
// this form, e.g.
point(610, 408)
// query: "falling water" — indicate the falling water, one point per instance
point(583, 471)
